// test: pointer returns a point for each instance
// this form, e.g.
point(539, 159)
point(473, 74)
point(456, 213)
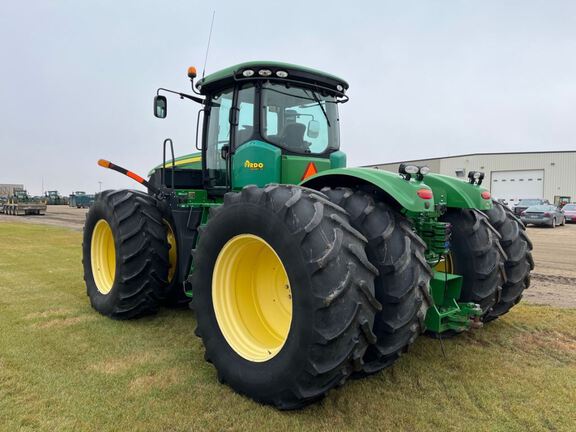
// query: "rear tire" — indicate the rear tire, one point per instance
point(329, 278)
point(518, 263)
point(125, 268)
point(404, 276)
point(174, 289)
point(476, 254)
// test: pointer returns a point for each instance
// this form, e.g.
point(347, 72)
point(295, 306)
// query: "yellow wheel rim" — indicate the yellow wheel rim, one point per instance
point(446, 265)
point(252, 297)
point(172, 253)
point(103, 257)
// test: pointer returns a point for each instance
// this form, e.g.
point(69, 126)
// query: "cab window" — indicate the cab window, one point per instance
point(301, 120)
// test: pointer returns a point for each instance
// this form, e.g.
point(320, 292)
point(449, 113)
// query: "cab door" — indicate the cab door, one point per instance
point(215, 160)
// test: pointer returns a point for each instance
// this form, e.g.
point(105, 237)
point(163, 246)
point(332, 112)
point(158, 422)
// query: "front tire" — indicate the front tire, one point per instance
point(476, 255)
point(125, 254)
point(402, 285)
point(258, 248)
point(518, 263)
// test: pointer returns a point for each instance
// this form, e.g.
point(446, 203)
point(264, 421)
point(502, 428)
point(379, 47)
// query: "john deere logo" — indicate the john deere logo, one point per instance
point(253, 165)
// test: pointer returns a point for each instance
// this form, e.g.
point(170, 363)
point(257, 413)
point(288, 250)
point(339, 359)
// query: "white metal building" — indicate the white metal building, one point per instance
point(8, 189)
point(512, 176)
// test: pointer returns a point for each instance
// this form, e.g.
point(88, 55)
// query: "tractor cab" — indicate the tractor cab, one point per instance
point(265, 122)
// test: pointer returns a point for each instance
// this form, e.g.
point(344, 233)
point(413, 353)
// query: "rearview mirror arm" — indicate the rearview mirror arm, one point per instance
point(183, 95)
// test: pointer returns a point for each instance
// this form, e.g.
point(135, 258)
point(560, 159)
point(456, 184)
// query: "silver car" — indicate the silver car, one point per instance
point(545, 214)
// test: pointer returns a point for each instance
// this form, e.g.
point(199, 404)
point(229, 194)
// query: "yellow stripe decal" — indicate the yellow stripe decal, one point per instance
point(185, 161)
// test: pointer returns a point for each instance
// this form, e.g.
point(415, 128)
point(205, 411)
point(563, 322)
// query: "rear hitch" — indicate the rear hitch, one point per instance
point(476, 323)
point(446, 313)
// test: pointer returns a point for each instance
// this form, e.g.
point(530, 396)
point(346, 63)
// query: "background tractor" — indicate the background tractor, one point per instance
point(54, 198)
point(80, 199)
point(301, 271)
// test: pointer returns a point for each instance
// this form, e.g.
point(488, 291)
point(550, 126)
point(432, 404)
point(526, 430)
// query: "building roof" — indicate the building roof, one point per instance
point(471, 154)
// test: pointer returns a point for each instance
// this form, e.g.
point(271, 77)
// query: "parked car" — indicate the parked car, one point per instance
point(570, 212)
point(523, 204)
point(543, 215)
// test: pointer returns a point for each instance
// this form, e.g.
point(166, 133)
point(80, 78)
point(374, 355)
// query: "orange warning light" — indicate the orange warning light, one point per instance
point(192, 72)
point(309, 171)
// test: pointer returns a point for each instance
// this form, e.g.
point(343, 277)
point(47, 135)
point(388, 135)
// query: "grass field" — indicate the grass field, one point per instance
point(65, 367)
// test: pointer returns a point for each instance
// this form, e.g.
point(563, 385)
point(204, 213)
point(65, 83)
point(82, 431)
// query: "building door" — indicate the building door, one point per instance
point(513, 186)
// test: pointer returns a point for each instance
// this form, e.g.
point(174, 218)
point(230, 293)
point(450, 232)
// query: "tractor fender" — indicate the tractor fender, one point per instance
point(457, 193)
point(391, 188)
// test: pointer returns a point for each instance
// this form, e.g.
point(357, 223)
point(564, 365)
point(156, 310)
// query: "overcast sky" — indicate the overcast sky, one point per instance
point(427, 78)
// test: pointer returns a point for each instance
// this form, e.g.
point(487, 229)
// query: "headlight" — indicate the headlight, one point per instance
point(475, 177)
point(411, 169)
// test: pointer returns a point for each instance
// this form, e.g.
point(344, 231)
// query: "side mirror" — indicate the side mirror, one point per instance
point(225, 151)
point(313, 129)
point(160, 106)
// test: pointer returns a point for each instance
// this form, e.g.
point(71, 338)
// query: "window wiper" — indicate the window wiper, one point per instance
point(317, 99)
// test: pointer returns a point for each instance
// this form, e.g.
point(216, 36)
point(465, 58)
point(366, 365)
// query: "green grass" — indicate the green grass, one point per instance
point(65, 367)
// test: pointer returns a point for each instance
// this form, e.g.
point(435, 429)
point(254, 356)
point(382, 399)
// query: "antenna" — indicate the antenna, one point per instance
point(208, 47)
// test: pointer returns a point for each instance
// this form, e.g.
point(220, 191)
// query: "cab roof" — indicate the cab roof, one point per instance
point(304, 74)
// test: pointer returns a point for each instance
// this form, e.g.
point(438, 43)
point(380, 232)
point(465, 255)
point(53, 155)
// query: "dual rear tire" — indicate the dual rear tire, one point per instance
point(125, 254)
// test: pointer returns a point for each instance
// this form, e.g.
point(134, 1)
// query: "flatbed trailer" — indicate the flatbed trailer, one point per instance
point(22, 204)
point(17, 209)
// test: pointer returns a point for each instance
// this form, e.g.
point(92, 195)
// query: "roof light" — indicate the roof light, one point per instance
point(265, 72)
point(424, 170)
point(281, 74)
point(248, 73)
point(425, 194)
point(339, 88)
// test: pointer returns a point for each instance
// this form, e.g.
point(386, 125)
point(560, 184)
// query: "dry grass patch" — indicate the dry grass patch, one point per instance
point(119, 365)
point(50, 313)
point(549, 340)
point(64, 322)
point(155, 381)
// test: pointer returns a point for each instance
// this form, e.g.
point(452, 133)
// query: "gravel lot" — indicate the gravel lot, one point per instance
point(553, 279)
point(59, 215)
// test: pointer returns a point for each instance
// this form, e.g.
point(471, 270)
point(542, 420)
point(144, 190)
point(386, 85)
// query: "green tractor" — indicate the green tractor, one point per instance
point(301, 272)
point(54, 198)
